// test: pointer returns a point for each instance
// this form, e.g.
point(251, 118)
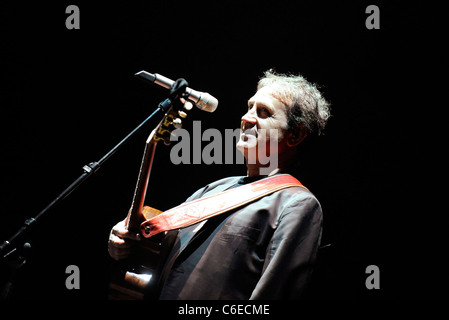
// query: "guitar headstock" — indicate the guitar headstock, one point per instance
point(171, 121)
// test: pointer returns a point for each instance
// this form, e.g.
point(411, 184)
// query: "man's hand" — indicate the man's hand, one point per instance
point(121, 241)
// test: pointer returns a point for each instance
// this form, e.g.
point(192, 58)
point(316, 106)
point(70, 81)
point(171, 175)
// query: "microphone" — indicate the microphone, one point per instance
point(203, 100)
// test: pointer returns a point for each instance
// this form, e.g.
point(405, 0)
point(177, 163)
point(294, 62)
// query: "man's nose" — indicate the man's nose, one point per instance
point(249, 117)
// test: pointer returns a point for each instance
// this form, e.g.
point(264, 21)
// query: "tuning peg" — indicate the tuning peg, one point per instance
point(188, 106)
point(177, 123)
point(167, 141)
point(182, 114)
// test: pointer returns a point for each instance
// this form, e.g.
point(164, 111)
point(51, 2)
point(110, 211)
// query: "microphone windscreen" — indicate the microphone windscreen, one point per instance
point(207, 102)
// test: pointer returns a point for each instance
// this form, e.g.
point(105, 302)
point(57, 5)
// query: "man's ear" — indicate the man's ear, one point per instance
point(296, 135)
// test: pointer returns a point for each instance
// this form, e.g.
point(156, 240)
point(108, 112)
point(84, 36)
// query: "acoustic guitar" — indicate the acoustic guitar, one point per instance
point(138, 277)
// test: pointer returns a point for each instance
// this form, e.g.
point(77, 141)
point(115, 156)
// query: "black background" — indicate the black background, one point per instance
point(68, 96)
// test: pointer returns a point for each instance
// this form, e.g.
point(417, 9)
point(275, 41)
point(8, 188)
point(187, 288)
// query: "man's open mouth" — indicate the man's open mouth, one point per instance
point(247, 133)
point(250, 130)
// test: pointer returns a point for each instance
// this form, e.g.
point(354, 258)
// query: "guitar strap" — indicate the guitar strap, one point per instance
point(201, 209)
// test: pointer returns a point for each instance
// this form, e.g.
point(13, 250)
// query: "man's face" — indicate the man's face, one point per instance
point(265, 115)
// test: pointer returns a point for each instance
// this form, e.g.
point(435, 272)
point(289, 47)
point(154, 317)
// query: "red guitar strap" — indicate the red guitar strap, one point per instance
point(201, 209)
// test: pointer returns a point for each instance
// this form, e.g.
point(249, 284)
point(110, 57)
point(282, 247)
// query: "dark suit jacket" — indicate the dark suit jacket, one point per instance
point(264, 250)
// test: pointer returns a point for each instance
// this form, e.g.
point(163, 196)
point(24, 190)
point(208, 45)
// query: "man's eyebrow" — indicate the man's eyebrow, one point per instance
point(260, 104)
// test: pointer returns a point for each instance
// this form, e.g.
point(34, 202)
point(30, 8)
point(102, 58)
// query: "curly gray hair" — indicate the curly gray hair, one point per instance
point(307, 106)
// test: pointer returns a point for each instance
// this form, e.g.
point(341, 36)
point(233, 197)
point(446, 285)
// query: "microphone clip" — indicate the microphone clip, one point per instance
point(178, 90)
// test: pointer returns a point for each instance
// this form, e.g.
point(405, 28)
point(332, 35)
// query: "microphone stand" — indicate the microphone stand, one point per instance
point(89, 170)
point(15, 256)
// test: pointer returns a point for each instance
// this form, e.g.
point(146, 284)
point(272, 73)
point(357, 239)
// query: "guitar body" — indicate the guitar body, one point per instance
point(138, 277)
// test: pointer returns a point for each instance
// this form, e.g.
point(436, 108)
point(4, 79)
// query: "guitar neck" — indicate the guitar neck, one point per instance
point(161, 132)
point(135, 216)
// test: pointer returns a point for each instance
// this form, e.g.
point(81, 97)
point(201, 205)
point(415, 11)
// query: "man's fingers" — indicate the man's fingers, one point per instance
point(119, 248)
point(122, 232)
point(118, 242)
point(119, 254)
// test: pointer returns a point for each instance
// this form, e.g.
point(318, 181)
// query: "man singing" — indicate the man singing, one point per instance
point(265, 249)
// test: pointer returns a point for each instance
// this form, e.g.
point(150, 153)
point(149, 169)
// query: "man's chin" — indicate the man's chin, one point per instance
point(245, 146)
point(247, 141)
